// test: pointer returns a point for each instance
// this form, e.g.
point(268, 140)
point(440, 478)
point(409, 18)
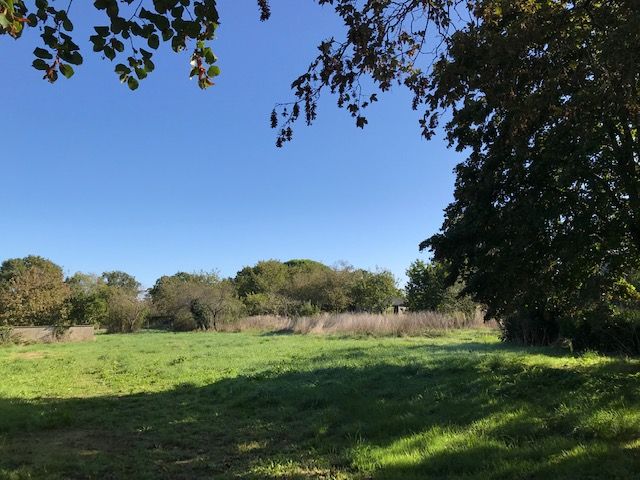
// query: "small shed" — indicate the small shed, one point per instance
point(399, 305)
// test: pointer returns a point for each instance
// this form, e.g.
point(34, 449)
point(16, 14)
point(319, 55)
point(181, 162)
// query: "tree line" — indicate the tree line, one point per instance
point(34, 291)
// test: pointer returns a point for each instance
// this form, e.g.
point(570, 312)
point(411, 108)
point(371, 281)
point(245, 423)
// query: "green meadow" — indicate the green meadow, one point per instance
point(266, 406)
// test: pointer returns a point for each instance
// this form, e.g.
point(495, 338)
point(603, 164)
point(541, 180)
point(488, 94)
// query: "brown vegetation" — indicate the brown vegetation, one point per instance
point(416, 323)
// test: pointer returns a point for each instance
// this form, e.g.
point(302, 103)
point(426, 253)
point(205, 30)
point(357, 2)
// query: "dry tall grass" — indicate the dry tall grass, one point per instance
point(408, 324)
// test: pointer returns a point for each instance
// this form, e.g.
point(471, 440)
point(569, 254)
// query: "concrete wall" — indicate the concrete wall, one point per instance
point(48, 334)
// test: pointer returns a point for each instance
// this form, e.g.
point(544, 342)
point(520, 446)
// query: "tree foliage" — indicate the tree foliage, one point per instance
point(126, 313)
point(88, 299)
point(190, 301)
point(109, 301)
point(386, 43)
point(545, 223)
point(373, 291)
point(304, 287)
point(32, 292)
point(131, 32)
point(121, 280)
point(428, 288)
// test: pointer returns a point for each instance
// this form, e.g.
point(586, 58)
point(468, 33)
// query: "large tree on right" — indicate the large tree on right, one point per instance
point(545, 225)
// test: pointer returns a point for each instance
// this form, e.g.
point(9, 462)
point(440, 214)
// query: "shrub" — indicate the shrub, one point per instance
point(6, 334)
point(126, 313)
point(88, 299)
point(195, 301)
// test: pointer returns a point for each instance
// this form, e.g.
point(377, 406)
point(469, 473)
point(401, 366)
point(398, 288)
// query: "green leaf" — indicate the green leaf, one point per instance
point(122, 69)
point(154, 41)
point(42, 53)
point(66, 70)
point(67, 25)
point(109, 52)
point(213, 71)
point(98, 42)
point(209, 56)
point(40, 64)
point(167, 34)
point(118, 24)
point(132, 83)
point(102, 31)
point(141, 73)
point(75, 58)
point(117, 45)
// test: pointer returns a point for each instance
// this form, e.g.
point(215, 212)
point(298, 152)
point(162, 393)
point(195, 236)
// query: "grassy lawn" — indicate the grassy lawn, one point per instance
point(238, 405)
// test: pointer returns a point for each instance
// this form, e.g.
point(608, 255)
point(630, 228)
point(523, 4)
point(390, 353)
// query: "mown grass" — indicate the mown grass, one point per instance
point(241, 405)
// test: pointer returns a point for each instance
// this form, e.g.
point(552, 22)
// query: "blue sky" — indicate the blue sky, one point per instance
point(170, 178)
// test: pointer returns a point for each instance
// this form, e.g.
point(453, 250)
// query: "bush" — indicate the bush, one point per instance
point(306, 309)
point(191, 301)
point(6, 334)
point(126, 313)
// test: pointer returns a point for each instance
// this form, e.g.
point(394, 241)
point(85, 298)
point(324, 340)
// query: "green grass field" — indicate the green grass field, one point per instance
point(238, 405)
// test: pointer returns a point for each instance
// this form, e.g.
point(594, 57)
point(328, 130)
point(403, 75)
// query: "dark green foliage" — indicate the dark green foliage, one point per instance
point(428, 288)
point(544, 223)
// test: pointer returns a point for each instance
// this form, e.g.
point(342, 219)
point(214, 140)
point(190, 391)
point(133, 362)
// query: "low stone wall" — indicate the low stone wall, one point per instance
point(52, 334)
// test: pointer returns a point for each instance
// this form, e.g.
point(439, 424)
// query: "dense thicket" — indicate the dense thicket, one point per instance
point(305, 287)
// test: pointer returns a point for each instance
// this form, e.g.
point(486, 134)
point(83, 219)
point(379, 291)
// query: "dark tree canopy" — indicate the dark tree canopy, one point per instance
point(546, 218)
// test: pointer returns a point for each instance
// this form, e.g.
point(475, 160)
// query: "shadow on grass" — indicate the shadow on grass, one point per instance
point(456, 417)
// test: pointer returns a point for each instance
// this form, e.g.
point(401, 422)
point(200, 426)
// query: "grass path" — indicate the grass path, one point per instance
point(221, 406)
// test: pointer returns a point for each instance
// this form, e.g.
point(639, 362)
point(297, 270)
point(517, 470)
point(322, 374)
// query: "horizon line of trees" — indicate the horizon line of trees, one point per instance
point(35, 291)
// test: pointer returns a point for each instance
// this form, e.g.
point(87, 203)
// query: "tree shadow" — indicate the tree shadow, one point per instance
point(453, 418)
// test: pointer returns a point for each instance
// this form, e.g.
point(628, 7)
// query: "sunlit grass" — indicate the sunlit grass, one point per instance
point(240, 405)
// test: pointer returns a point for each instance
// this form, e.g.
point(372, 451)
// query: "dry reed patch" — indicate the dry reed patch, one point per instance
point(416, 323)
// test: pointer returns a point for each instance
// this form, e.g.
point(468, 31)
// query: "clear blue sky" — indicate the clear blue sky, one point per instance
point(170, 178)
